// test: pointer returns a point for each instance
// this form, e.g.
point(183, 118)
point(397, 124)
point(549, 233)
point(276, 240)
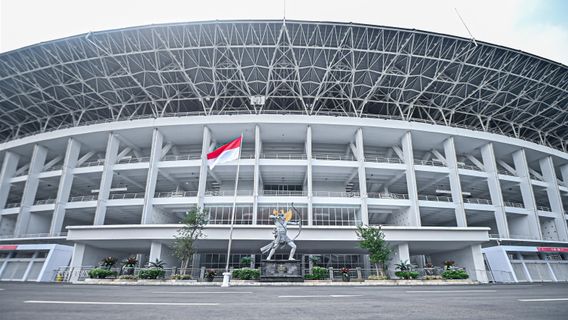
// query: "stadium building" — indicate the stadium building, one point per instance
point(457, 148)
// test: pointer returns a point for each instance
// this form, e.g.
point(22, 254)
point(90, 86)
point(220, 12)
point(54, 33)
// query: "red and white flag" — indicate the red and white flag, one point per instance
point(226, 153)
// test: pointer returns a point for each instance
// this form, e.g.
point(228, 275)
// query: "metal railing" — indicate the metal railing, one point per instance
point(513, 204)
point(385, 195)
point(331, 156)
point(45, 201)
point(383, 160)
point(468, 167)
point(81, 273)
point(290, 156)
point(220, 193)
point(133, 160)
point(543, 208)
point(33, 235)
point(477, 201)
point(115, 196)
point(338, 194)
point(181, 157)
point(435, 163)
point(435, 198)
point(284, 193)
point(504, 172)
point(98, 162)
point(176, 194)
point(83, 198)
point(12, 205)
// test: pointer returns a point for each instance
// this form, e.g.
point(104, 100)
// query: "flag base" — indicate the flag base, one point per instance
point(226, 280)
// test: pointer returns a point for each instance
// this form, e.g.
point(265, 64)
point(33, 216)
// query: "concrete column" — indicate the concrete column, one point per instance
point(455, 184)
point(30, 189)
point(522, 169)
point(9, 167)
point(362, 176)
point(554, 197)
point(152, 177)
point(411, 185)
point(256, 182)
point(564, 173)
point(203, 170)
point(65, 183)
point(162, 252)
point(400, 252)
point(5, 263)
point(309, 176)
point(106, 178)
point(490, 164)
point(76, 261)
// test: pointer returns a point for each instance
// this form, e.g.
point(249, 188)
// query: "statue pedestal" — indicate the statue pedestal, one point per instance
point(281, 271)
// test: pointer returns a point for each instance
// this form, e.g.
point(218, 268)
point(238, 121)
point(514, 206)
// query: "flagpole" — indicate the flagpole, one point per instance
point(226, 274)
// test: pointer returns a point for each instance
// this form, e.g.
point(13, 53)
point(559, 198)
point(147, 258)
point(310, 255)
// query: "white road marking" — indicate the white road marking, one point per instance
point(324, 296)
point(122, 303)
point(543, 300)
point(1, 289)
point(202, 292)
point(449, 291)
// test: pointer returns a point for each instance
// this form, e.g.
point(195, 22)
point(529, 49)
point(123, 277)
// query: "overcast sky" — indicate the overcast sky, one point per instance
point(536, 26)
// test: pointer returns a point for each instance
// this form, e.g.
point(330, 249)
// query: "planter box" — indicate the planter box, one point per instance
point(239, 281)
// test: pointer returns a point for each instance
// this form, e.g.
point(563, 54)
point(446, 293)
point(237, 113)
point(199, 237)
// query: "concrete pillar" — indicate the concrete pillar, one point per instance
point(362, 176)
point(162, 252)
point(106, 178)
point(256, 182)
point(77, 261)
point(522, 169)
point(564, 173)
point(9, 167)
point(400, 253)
point(554, 197)
point(490, 165)
point(30, 189)
point(408, 153)
point(455, 184)
point(64, 187)
point(203, 170)
point(152, 177)
point(309, 176)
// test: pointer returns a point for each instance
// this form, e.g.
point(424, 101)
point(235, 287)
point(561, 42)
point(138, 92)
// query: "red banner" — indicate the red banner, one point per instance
point(551, 249)
point(8, 247)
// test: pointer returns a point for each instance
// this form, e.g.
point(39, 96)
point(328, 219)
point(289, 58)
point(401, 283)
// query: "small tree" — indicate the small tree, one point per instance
point(192, 230)
point(373, 240)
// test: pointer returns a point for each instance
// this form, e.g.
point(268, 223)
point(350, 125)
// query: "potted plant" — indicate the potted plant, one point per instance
point(404, 270)
point(128, 266)
point(108, 262)
point(160, 264)
point(345, 274)
point(246, 262)
point(448, 264)
point(210, 275)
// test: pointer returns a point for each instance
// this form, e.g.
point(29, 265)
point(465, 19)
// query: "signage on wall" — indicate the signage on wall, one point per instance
point(551, 249)
point(8, 247)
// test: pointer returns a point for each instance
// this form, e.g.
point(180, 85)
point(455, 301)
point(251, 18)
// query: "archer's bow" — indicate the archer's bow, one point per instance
point(299, 222)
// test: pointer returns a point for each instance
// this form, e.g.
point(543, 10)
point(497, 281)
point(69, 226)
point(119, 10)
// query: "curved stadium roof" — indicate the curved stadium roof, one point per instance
point(313, 68)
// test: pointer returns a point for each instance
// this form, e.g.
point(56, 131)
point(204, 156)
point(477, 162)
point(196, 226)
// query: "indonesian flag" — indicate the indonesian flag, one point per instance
point(226, 153)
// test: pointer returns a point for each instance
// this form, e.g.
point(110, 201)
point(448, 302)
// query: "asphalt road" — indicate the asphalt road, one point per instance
point(64, 301)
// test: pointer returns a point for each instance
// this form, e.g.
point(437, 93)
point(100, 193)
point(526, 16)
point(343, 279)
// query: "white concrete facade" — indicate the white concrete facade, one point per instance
point(440, 192)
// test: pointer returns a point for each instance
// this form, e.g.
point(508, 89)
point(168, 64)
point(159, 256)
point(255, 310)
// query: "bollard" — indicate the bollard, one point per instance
point(331, 273)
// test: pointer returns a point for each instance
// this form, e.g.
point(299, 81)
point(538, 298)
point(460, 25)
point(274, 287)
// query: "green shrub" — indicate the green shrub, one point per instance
point(318, 273)
point(407, 274)
point(100, 273)
point(128, 277)
point(151, 273)
point(181, 277)
point(455, 274)
point(246, 274)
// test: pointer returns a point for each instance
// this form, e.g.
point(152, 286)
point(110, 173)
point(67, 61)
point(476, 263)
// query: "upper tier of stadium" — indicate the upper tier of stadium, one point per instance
point(282, 67)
